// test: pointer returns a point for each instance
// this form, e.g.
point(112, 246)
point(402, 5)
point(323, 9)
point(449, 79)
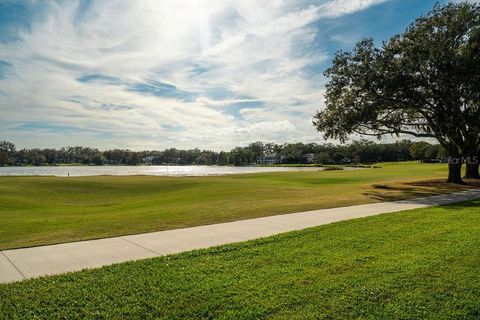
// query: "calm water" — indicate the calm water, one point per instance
point(142, 170)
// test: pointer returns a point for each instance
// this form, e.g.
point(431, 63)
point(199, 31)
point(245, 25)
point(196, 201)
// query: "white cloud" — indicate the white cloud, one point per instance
point(247, 51)
point(337, 8)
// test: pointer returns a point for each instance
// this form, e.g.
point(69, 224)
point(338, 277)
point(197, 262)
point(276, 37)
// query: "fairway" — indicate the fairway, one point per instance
point(46, 210)
point(418, 264)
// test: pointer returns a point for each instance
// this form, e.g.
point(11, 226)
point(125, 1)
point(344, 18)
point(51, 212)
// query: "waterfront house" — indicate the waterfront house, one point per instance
point(273, 158)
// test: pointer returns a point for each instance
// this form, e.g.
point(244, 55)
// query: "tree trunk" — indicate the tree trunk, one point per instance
point(471, 171)
point(455, 173)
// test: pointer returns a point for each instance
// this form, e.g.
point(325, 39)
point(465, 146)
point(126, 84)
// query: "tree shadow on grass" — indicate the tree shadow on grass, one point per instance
point(403, 191)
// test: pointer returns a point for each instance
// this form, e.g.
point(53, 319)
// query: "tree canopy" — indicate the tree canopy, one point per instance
point(424, 82)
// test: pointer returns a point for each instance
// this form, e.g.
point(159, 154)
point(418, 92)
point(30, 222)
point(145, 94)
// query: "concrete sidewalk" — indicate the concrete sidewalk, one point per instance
point(19, 264)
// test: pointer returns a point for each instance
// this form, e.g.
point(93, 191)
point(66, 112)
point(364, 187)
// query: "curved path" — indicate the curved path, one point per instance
point(19, 264)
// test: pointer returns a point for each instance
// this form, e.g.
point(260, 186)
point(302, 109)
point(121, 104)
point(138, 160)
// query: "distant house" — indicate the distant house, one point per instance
point(148, 160)
point(273, 158)
point(311, 158)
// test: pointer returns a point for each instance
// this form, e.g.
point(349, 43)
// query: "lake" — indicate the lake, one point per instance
point(176, 171)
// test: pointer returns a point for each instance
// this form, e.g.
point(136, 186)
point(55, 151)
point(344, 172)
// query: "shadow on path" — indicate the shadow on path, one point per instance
point(405, 191)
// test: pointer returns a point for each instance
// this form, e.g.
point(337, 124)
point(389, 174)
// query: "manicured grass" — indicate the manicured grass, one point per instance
point(45, 210)
point(295, 165)
point(418, 264)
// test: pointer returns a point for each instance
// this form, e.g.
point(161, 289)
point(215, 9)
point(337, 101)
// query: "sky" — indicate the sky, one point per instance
point(155, 74)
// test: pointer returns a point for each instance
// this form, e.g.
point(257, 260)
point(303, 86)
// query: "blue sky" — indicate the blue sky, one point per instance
point(183, 73)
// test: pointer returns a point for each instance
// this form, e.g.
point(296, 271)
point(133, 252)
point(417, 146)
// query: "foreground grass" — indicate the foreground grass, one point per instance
point(45, 210)
point(418, 264)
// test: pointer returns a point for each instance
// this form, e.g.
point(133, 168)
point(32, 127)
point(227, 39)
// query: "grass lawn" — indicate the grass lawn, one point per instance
point(418, 264)
point(45, 210)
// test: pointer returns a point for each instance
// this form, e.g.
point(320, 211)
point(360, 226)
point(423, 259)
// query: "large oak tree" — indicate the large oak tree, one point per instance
point(424, 82)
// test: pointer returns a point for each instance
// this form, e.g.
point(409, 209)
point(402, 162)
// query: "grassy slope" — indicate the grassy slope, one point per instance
point(419, 264)
point(44, 210)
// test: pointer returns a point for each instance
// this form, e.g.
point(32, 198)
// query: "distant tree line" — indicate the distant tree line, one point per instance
point(362, 151)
